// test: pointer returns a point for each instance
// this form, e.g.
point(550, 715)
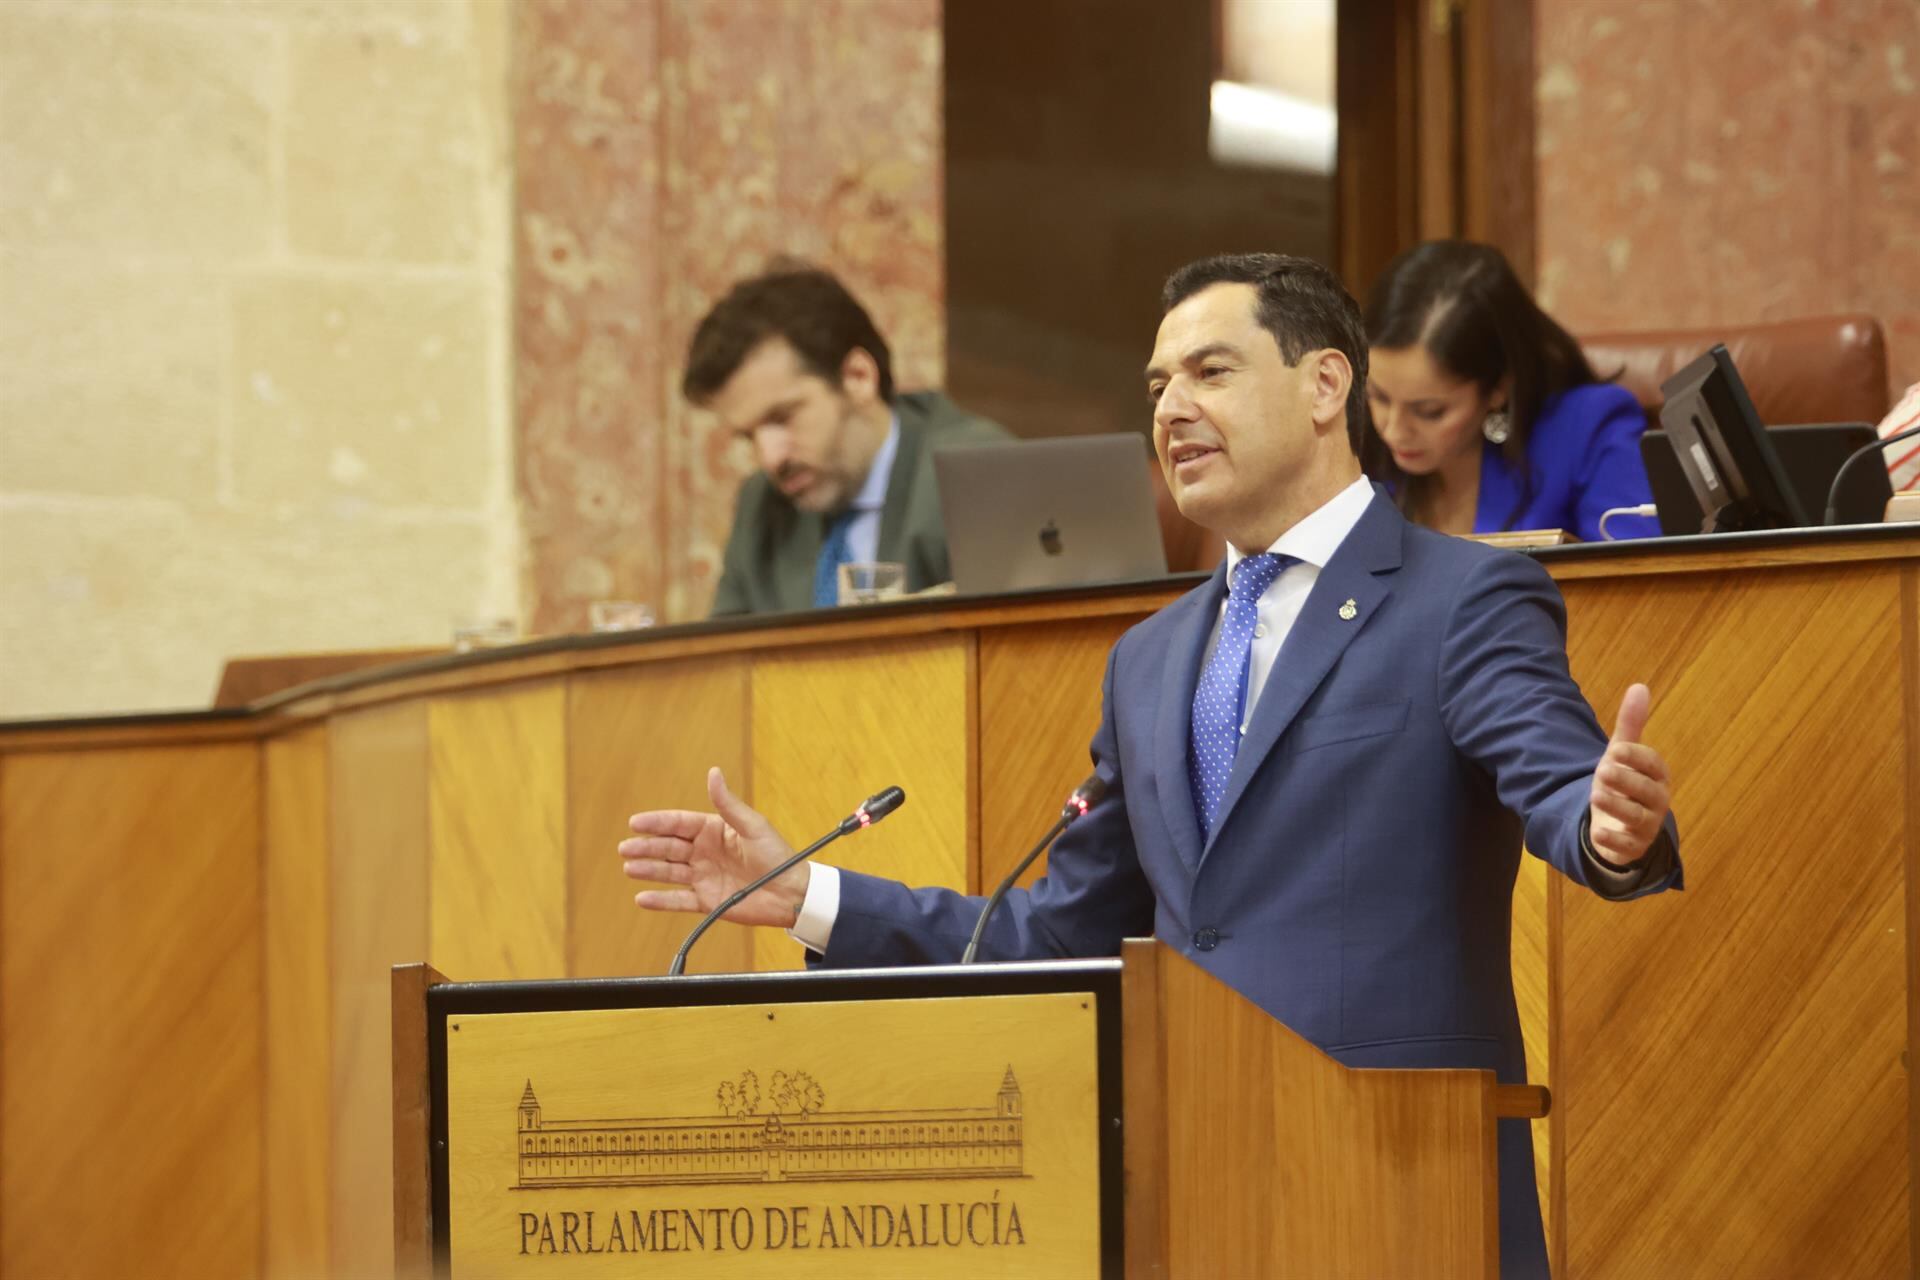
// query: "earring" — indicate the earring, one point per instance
point(1497, 427)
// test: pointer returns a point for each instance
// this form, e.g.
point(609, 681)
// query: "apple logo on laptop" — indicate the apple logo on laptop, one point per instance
point(1050, 539)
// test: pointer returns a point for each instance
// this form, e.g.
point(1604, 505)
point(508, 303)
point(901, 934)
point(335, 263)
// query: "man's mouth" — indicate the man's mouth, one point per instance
point(794, 483)
point(1181, 454)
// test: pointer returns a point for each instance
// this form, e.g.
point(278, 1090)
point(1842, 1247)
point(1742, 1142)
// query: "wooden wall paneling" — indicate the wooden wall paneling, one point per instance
point(130, 994)
point(497, 870)
point(1497, 136)
point(299, 1005)
point(377, 769)
point(831, 726)
point(1731, 1070)
point(1376, 167)
point(1438, 193)
point(643, 738)
point(1039, 705)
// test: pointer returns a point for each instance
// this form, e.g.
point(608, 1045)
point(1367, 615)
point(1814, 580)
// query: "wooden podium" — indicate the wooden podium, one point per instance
point(1129, 1117)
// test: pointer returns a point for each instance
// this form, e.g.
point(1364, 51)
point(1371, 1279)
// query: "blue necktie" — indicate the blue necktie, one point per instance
point(1220, 699)
point(834, 552)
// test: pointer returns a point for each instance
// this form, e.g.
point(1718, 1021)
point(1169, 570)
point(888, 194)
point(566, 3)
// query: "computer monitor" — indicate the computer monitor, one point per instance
point(1724, 450)
point(1810, 455)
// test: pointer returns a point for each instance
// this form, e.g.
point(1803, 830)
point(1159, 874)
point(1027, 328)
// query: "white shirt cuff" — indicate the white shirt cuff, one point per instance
point(818, 911)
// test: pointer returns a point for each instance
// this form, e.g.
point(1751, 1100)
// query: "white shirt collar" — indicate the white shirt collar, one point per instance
point(1313, 540)
point(873, 494)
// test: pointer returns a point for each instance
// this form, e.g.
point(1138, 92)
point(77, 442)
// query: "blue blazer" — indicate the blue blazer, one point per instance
point(1359, 880)
point(1584, 456)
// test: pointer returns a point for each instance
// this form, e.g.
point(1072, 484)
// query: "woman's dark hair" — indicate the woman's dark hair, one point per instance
point(1463, 303)
point(808, 307)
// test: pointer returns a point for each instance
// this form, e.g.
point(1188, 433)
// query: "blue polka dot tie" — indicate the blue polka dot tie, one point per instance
point(1220, 699)
point(834, 552)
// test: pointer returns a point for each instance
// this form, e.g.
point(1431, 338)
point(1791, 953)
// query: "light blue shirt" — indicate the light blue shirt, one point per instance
point(863, 531)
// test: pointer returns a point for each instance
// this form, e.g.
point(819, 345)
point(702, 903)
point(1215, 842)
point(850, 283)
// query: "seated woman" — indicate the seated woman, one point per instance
point(1486, 414)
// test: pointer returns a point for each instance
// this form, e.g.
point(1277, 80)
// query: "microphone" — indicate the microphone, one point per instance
point(1084, 797)
point(871, 810)
point(1833, 494)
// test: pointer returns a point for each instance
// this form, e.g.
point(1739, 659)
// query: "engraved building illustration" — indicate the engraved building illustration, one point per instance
point(812, 1146)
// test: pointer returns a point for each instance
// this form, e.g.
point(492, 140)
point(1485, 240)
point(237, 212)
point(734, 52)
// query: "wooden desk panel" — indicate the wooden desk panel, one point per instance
point(645, 734)
point(298, 1155)
point(1730, 1085)
point(130, 998)
point(497, 798)
point(1039, 707)
point(832, 726)
point(1725, 1061)
point(377, 765)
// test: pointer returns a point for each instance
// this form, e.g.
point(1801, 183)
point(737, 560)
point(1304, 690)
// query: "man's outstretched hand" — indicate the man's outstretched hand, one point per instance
point(1631, 787)
point(710, 856)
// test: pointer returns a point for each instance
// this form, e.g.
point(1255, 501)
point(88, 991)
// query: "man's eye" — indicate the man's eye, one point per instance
point(1213, 371)
point(1154, 391)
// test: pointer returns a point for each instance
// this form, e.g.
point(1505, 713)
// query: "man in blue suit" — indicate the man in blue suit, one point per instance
point(1321, 764)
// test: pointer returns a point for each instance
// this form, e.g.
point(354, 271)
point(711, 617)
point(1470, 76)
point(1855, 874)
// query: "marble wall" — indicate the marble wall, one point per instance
point(1715, 161)
point(662, 149)
point(254, 346)
point(336, 323)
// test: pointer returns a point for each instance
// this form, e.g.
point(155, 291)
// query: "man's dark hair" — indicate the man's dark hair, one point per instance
point(1301, 303)
point(816, 315)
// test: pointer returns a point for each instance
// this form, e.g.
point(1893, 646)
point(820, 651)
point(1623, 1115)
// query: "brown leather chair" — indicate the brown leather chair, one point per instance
point(1821, 369)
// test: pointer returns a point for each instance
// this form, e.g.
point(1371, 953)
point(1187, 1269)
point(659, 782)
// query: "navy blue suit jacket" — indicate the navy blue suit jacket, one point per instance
point(1359, 880)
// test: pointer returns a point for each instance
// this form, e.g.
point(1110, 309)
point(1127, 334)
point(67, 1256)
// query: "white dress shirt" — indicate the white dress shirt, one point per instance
point(1311, 542)
point(863, 531)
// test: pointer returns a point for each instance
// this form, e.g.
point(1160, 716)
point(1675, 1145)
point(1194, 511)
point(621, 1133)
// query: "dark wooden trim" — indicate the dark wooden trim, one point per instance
point(1148, 1211)
point(1376, 174)
point(1910, 681)
point(1435, 102)
point(413, 1188)
point(1497, 129)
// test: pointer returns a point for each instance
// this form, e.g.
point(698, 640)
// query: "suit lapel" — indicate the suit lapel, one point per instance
point(891, 544)
point(1174, 725)
point(1320, 635)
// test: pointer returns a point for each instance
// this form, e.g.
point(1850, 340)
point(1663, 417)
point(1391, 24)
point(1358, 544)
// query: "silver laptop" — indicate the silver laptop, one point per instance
point(1049, 513)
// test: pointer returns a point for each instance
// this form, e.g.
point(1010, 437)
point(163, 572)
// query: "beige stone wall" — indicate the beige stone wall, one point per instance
point(254, 337)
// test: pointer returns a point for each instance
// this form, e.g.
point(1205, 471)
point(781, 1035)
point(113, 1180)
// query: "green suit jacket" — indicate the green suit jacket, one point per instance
point(773, 547)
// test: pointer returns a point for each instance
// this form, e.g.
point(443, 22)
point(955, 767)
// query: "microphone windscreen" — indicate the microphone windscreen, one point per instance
point(883, 803)
point(1092, 791)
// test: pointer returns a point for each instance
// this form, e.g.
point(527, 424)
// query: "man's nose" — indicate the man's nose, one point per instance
point(773, 449)
point(1174, 405)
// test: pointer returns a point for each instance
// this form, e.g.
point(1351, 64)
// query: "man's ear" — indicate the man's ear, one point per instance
point(1332, 379)
point(860, 377)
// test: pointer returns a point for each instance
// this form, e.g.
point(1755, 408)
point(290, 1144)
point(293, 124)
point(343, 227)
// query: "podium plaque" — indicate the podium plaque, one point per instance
point(806, 1125)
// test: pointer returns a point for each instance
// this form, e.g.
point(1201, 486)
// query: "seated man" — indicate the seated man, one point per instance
point(1321, 765)
point(791, 362)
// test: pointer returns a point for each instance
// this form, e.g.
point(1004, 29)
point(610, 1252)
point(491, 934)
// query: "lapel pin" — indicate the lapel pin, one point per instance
point(1349, 611)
